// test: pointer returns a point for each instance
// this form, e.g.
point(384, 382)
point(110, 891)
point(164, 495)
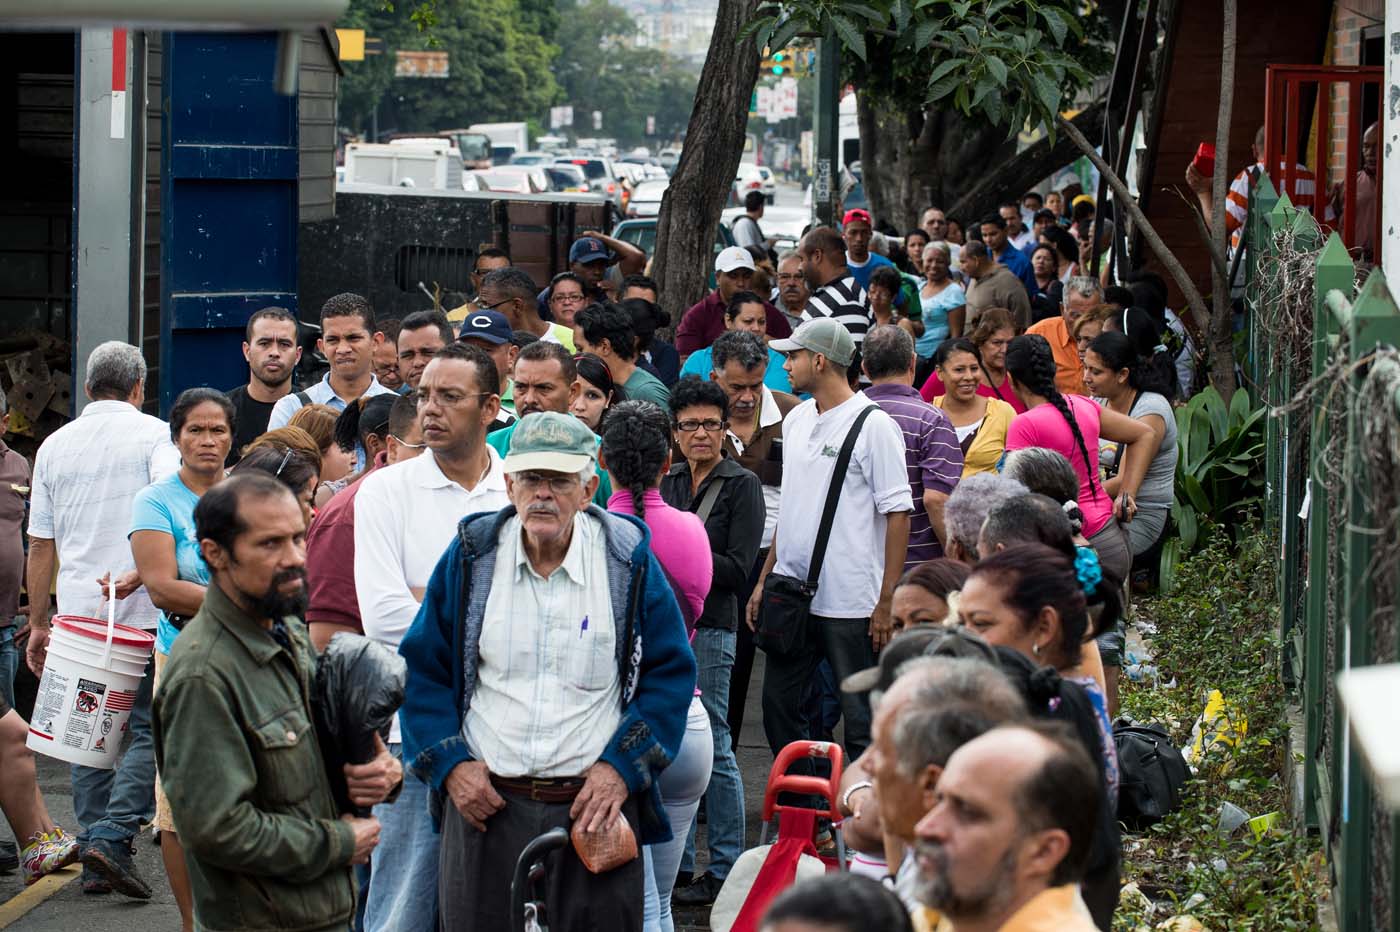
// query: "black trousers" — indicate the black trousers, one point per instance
point(475, 870)
point(742, 671)
point(845, 643)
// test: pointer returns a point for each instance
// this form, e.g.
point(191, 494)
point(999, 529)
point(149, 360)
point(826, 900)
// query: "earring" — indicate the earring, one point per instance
point(1035, 649)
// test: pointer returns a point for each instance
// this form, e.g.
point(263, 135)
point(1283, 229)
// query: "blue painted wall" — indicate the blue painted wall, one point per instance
point(228, 203)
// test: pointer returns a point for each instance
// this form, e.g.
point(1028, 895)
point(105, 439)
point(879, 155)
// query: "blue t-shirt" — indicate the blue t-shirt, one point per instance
point(935, 312)
point(167, 505)
point(775, 376)
point(861, 273)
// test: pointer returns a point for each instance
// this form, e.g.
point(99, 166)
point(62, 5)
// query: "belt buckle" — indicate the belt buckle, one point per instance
point(538, 786)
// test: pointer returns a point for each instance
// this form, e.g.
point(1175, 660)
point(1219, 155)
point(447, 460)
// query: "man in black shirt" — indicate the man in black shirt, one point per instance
point(273, 352)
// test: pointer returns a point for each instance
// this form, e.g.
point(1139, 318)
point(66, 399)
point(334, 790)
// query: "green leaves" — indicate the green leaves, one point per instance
point(851, 37)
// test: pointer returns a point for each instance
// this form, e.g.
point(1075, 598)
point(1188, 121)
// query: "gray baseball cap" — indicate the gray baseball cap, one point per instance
point(822, 335)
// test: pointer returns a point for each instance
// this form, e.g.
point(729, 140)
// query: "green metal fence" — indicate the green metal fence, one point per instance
point(1325, 357)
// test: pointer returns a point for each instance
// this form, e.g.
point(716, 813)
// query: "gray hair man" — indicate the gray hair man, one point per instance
point(552, 680)
point(1082, 294)
point(86, 475)
point(792, 287)
point(968, 506)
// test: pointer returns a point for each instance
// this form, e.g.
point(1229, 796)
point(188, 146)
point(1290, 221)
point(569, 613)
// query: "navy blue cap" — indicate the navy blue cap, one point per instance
point(491, 326)
point(589, 249)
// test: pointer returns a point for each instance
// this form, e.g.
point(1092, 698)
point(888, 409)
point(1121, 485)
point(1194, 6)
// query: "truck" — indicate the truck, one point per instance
point(506, 139)
point(429, 163)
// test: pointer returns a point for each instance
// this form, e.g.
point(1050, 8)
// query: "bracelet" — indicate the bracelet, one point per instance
point(846, 796)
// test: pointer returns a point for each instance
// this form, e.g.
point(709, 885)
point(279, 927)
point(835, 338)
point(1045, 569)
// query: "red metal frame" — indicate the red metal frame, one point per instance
point(1282, 96)
point(780, 781)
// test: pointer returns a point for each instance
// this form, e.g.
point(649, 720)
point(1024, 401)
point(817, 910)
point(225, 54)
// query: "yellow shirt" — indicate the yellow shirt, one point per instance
point(989, 443)
point(1058, 909)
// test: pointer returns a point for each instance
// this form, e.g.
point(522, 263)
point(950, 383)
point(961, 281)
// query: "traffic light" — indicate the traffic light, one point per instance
point(779, 63)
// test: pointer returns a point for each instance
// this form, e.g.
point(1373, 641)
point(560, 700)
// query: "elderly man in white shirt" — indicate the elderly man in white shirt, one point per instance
point(86, 475)
point(405, 516)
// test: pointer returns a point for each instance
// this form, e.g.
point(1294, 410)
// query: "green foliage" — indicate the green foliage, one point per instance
point(1011, 62)
point(499, 63)
point(1219, 470)
point(1219, 631)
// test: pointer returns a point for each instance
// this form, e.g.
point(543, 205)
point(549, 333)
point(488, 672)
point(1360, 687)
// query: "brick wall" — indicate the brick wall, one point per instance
point(1349, 18)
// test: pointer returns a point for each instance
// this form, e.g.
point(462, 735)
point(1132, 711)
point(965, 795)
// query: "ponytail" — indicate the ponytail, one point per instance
point(635, 441)
point(1030, 361)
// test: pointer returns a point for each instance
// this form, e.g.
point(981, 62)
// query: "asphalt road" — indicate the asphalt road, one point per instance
point(69, 910)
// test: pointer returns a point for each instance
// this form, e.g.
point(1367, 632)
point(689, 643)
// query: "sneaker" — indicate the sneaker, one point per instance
point(48, 852)
point(111, 860)
point(9, 857)
point(701, 892)
point(94, 885)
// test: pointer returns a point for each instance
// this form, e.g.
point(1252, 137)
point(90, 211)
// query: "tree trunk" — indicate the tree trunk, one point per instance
point(1026, 169)
point(1222, 343)
point(699, 188)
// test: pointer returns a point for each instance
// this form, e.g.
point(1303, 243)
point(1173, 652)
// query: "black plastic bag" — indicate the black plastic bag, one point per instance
point(359, 686)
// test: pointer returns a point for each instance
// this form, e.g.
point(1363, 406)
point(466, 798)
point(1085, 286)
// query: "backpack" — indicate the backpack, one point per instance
point(1152, 774)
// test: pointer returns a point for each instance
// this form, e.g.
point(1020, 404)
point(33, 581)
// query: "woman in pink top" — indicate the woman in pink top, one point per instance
point(991, 335)
point(636, 452)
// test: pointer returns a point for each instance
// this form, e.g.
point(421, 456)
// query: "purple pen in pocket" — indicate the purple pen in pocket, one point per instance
point(583, 626)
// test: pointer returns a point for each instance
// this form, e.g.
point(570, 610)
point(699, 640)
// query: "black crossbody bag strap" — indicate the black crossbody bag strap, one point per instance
point(833, 495)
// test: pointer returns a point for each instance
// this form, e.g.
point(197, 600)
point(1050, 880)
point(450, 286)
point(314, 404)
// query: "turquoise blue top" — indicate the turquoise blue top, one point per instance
point(936, 311)
point(167, 505)
point(775, 377)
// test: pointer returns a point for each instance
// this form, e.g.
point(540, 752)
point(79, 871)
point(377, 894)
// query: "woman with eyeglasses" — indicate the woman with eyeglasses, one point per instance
point(729, 501)
point(567, 296)
point(332, 599)
point(636, 452)
point(597, 392)
point(172, 568)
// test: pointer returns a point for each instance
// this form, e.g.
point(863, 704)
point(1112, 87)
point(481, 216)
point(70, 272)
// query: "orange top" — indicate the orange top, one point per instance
point(1069, 372)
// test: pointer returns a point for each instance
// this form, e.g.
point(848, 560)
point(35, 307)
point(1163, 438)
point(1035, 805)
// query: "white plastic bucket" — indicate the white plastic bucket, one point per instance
point(89, 685)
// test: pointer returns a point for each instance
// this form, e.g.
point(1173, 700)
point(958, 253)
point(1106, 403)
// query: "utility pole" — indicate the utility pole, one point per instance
point(826, 119)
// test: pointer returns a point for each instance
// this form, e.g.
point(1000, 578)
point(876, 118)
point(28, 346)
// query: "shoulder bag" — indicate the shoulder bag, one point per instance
point(783, 616)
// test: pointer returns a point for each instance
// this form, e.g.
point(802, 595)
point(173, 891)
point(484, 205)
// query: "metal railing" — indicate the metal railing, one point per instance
point(1325, 357)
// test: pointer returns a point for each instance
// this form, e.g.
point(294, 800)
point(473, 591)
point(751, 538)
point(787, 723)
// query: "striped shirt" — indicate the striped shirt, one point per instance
point(1237, 200)
point(844, 299)
point(932, 457)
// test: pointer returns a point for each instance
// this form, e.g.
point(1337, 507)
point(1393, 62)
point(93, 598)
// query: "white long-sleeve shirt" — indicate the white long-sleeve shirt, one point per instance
point(406, 515)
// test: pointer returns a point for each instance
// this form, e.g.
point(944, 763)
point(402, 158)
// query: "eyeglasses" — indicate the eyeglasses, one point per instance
point(710, 425)
point(557, 484)
point(492, 307)
point(405, 443)
point(568, 298)
point(448, 399)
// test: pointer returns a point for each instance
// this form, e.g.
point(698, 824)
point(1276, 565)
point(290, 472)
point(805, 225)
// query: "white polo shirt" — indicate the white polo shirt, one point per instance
point(406, 515)
point(875, 485)
point(86, 476)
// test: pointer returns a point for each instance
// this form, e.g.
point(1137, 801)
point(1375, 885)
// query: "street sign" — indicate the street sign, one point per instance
point(420, 64)
point(787, 99)
point(560, 117)
point(374, 46)
point(765, 101)
point(352, 44)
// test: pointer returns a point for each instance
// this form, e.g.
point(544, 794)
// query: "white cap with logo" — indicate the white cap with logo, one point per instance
point(733, 257)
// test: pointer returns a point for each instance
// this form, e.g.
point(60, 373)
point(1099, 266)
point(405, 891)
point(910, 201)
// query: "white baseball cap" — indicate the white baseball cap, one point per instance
point(733, 257)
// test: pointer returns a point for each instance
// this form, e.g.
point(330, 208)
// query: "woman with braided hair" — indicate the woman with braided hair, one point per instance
point(636, 452)
point(1072, 425)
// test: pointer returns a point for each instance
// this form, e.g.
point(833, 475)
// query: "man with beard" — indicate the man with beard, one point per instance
point(233, 736)
point(272, 351)
point(405, 516)
point(1007, 840)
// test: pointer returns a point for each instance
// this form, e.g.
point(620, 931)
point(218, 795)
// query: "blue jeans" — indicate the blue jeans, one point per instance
point(9, 664)
point(404, 866)
point(112, 805)
point(724, 800)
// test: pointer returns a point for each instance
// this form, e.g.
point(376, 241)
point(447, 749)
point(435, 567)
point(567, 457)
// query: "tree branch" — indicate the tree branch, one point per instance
point(1222, 367)
point(1154, 242)
point(1216, 256)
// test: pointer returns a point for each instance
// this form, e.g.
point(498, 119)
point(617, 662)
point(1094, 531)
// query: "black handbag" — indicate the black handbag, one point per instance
point(1152, 775)
point(785, 612)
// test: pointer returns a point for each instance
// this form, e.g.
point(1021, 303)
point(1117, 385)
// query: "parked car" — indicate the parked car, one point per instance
point(751, 177)
point(532, 158)
point(514, 179)
point(668, 159)
point(566, 178)
point(641, 232)
point(602, 177)
point(646, 199)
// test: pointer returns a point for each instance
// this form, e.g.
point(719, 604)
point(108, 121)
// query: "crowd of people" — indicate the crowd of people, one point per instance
point(921, 483)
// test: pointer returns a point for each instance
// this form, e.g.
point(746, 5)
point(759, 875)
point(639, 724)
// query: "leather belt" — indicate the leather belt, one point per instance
point(554, 790)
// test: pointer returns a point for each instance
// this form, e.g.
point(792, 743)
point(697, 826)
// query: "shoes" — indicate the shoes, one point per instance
point(701, 892)
point(111, 860)
point(9, 857)
point(684, 878)
point(48, 852)
point(94, 885)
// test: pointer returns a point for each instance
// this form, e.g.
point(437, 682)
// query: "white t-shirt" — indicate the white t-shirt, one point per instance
point(86, 476)
point(875, 485)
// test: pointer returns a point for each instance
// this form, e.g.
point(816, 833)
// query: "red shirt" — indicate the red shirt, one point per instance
point(934, 387)
point(330, 558)
point(704, 322)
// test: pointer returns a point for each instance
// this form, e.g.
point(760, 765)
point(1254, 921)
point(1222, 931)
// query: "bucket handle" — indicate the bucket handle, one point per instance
point(111, 617)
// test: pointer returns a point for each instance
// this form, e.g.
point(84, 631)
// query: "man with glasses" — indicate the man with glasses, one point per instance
point(512, 292)
point(551, 684)
point(421, 335)
point(792, 287)
point(488, 260)
point(405, 516)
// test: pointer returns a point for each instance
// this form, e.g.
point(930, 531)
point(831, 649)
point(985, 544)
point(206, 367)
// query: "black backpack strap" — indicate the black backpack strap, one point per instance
point(833, 495)
point(707, 501)
point(304, 398)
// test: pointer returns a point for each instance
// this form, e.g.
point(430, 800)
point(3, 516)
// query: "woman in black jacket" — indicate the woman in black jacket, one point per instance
point(729, 500)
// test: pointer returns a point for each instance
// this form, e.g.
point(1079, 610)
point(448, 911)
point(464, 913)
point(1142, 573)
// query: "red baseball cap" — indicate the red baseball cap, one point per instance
point(856, 213)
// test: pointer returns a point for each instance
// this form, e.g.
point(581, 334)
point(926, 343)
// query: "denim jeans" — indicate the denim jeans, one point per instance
point(112, 805)
point(681, 785)
point(404, 866)
point(9, 664)
point(724, 800)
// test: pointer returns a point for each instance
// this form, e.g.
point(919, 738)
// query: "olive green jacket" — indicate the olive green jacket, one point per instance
point(239, 762)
